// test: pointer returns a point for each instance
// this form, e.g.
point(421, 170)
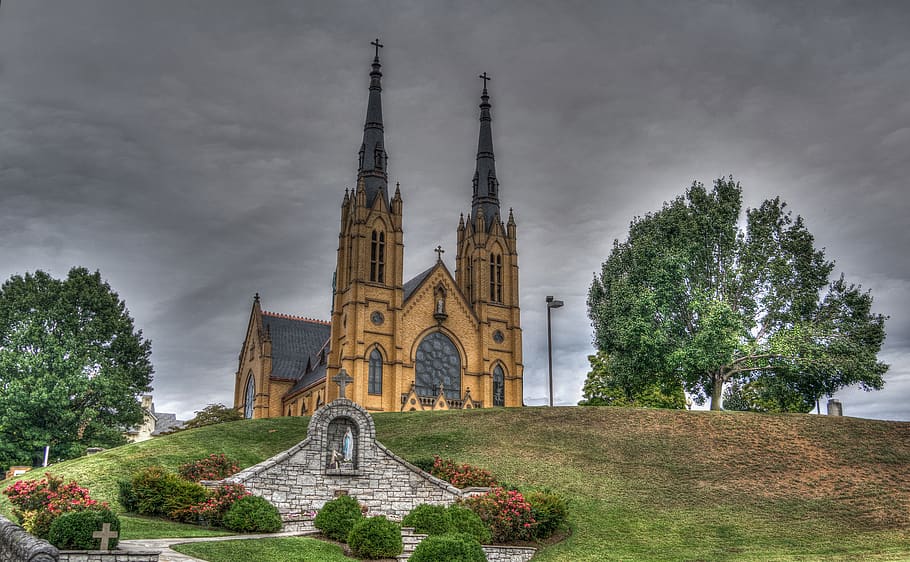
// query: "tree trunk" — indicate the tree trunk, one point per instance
point(717, 392)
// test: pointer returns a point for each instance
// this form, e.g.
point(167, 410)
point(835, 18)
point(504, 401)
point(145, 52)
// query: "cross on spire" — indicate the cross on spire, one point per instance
point(485, 79)
point(378, 46)
point(439, 251)
point(342, 379)
point(105, 534)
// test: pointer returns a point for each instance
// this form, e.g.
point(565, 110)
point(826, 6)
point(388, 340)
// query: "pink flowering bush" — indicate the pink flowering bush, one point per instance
point(36, 503)
point(506, 512)
point(461, 475)
point(212, 467)
point(212, 510)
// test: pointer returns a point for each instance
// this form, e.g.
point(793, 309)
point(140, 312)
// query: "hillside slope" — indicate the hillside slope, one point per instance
point(644, 484)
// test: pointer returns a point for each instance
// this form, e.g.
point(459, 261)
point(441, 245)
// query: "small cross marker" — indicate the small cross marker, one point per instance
point(342, 379)
point(105, 534)
point(378, 46)
point(439, 251)
point(485, 79)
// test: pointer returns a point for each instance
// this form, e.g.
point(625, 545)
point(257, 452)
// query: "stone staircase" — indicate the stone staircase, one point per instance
point(410, 540)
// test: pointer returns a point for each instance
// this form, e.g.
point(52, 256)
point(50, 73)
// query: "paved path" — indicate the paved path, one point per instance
point(168, 555)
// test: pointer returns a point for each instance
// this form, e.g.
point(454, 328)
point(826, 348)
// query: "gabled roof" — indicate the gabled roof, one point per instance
point(415, 282)
point(166, 422)
point(294, 341)
point(314, 376)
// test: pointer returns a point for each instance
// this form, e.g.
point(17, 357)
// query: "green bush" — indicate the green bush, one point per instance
point(467, 522)
point(375, 537)
point(424, 464)
point(127, 497)
point(338, 517)
point(455, 547)
point(549, 511)
point(252, 514)
point(161, 493)
point(73, 530)
point(428, 519)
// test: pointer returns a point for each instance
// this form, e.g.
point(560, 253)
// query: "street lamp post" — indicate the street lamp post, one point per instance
point(551, 304)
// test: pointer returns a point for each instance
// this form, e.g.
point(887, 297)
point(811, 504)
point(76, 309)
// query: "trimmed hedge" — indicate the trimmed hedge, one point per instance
point(73, 530)
point(252, 514)
point(159, 492)
point(454, 547)
point(428, 519)
point(337, 517)
point(467, 522)
point(375, 537)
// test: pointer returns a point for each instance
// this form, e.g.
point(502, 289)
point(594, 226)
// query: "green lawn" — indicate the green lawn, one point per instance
point(138, 527)
point(280, 549)
point(643, 484)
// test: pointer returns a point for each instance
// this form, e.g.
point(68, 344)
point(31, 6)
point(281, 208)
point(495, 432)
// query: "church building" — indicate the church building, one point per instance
point(437, 341)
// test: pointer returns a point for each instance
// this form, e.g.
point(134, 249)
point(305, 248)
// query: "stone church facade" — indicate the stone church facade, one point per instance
point(437, 341)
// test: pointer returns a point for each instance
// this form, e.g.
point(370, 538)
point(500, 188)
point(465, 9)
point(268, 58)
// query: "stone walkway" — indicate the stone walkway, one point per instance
point(168, 555)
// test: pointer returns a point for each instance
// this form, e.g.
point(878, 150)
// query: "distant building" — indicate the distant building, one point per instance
point(17, 471)
point(437, 341)
point(154, 423)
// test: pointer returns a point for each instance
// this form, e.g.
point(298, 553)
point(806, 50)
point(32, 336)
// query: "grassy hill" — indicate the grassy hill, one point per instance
point(644, 484)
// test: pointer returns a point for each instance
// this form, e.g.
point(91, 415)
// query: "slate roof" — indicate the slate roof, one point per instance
point(166, 422)
point(306, 380)
point(295, 340)
point(415, 282)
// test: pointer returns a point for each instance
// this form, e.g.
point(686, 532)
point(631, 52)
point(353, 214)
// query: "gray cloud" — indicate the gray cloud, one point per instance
point(197, 153)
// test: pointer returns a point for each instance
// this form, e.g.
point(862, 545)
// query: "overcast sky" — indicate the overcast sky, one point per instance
point(197, 152)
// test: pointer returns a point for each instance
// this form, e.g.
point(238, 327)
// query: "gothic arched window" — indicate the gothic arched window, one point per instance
point(499, 386)
point(438, 363)
point(249, 397)
point(377, 257)
point(375, 377)
point(496, 277)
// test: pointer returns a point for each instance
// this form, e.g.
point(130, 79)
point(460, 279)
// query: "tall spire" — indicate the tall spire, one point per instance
point(373, 165)
point(486, 186)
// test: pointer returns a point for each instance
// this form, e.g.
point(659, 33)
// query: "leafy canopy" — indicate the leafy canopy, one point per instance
point(71, 366)
point(604, 387)
point(692, 298)
point(212, 414)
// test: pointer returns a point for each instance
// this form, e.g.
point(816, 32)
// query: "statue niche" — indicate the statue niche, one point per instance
point(342, 437)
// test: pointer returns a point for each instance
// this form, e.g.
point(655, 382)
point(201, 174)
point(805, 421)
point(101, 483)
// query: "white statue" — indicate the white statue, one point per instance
point(347, 446)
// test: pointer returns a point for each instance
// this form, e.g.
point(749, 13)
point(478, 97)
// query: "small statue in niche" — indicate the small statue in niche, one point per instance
point(336, 459)
point(440, 306)
point(347, 446)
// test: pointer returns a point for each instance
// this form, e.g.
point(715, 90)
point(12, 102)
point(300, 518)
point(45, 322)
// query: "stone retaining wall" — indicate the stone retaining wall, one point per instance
point(16, 545)
point(302, 479)
point(410, 540)
point(107, 556)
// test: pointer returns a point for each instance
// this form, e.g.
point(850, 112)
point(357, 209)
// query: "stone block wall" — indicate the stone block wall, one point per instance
point(107, 556)
point(302, 478)
point(16, 545)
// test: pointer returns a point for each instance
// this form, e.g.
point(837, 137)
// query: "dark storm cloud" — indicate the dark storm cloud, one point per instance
point(197, 153)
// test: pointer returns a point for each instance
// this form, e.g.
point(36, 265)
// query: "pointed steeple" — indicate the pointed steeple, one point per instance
point(486, 186)
point(372, 168)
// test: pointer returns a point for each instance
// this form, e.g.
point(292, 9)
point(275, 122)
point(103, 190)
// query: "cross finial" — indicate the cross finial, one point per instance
point(439, 251)
point(485, 79)
point(105, 534)
point(378, 46)
point(342, 379)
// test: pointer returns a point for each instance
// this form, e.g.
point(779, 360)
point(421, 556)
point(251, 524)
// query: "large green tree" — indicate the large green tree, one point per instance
point(71, 365)
point(692, 297)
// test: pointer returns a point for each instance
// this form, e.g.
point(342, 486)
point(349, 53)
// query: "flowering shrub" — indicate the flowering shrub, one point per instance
point(212, 510)
point(212, 467)
point(461, 475)
point(506, 512)
point(37, 503)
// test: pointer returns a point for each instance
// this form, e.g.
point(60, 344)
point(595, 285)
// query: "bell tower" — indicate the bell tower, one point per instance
point(368, 285)
point(486, 271)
